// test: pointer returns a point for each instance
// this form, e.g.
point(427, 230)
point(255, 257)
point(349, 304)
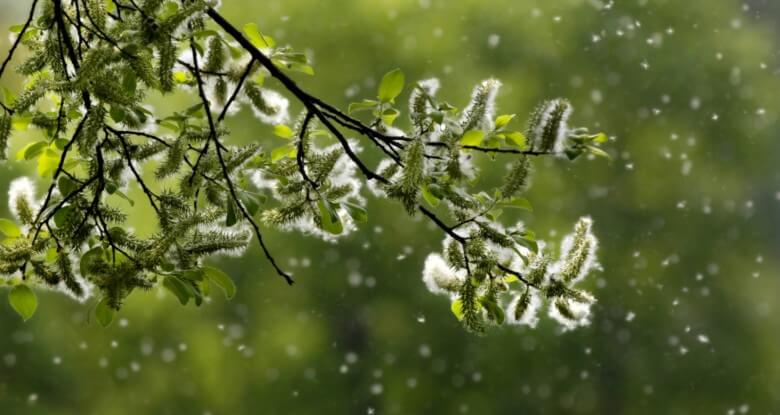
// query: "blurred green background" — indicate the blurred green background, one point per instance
point(688, 215)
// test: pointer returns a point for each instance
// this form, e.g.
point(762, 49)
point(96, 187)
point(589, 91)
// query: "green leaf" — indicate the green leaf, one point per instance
point(358, 213)
point(129, 82)
point(573, 153)
point(60, 143)
point(517, 138)
point(283, 131)
point(527, 243)
point(457, 309)
point(391, 86)
point(494, 214)
point(230, 218)
point(389, 115)
point(23, 301)
point(331, 222)
point(495, 312)
point(503, 120)
point(21, 122)
point(48, 162)
point(115, 191)
point(279, 153)
point(32, 150)
point(294, 66)
point(8, 96)
point(598, 152)
point(472, 138)
point(104, 314)
point(66, 185)
point(429, 197)
point(90, 257)
point(177, 288)
point(180, 77)
point(510, 278)
point(258, 39)
point(222, 280)
point(518, 203)
point(62, 215)
point(600, 138)
point(117, 114)
point(193, 274)
point(196, 110)
point(366, 104)
point(251, 202)
point(9, 228)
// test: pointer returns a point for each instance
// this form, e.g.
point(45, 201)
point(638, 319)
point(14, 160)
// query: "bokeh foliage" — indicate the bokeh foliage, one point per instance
point(687, 300)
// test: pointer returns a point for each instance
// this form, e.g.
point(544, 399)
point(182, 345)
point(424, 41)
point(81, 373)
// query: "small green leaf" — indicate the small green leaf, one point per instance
point(180, 77)
point(366, 104)
point(457, 309)
point(9, 228)
point(292, 65)
point(495, 312)
point(279, 153)
point(573, 153)
point(48, 162)
point(503, 120)
point(258, 39)
point(8, 96)
point(129, 82)
point(251, 202)
point(21, 122)
point(283, 131)
point(517, 138)
point(193, 274)
point(358, 213)
point(222, 280)
point(177, 288)
point(90, 257)
point(494, 214)
point(104, 314)
point(117, 114)
point(62, 215)
point(598, 152)
point(196, 110)
point(429, 197)
point(527, 243)
point(510, 278)
point(331, 222)
point(600, 138)
point(32, 150)
point(115, 191)
point(391, 86)
point(60, 143)
point(389, 115)
point(472, 138)
point(66, 185)
point(230, 218)
point(518, 203)
point(23, 301)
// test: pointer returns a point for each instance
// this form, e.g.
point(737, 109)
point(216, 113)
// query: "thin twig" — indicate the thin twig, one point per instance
point(19, 38)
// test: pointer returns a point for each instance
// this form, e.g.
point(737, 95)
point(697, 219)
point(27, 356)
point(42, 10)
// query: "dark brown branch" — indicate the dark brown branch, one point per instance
point(307, 100)
point(233, 96)
point(149, 194)
point(300, 156)
point(65, 38)
point(19, 38)
point(60, 168)
point(226, 174)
